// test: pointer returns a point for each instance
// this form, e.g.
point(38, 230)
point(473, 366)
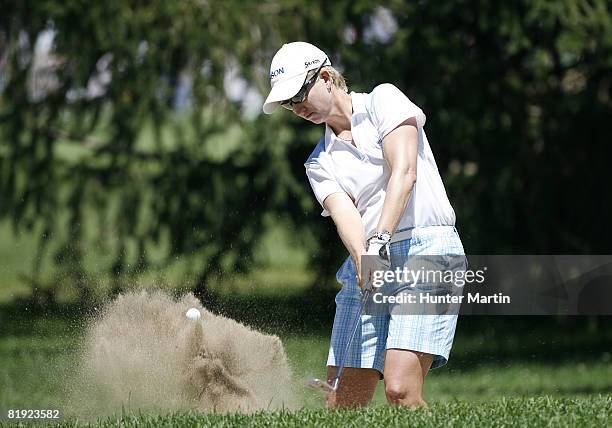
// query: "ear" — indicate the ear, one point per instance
point(324, 74)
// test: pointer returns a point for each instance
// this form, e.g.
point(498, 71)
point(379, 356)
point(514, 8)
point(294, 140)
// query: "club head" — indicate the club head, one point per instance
point(321, 386)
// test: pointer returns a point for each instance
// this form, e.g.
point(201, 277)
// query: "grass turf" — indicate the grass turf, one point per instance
point(532, 411)
point(541, 381)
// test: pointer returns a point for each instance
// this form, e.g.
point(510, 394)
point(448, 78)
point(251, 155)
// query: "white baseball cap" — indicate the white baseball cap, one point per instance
point(288, 71)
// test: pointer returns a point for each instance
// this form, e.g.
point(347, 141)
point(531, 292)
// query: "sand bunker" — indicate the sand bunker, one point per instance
point(142, 353)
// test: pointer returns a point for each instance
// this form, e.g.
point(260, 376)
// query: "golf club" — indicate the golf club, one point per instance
point(325, 387)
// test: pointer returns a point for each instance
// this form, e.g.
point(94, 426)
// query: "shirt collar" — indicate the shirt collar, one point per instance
point(358, 107)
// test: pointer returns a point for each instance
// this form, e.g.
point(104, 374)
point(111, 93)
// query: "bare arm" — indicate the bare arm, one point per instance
point(349, 225)
point(400, 148)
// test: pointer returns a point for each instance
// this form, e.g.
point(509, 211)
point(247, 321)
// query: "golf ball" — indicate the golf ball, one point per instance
point(193, 314)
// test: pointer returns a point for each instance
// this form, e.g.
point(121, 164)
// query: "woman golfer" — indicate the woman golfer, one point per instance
point(375, 174)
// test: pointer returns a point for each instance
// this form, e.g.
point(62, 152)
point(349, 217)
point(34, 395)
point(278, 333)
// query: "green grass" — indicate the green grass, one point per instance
point(537, 371)
point(280, 267)
point(534, 411)
point(545, 382)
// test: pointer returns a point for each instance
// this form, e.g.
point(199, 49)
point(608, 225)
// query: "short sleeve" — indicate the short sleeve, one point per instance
point(389, 107)
point(322, 183)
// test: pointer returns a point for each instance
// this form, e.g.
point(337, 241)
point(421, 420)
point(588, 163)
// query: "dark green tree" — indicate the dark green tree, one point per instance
point(202, 177)
point(517, 96)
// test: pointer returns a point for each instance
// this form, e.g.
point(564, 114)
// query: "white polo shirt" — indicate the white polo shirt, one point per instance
point(362, 172)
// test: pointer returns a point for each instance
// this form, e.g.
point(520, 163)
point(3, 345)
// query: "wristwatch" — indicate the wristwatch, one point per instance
point(381, 239)
point(382, 235)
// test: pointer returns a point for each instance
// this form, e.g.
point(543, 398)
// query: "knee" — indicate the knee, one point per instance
point(402, 396)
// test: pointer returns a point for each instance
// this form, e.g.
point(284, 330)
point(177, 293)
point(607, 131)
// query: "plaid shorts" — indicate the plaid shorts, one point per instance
point(431, 334)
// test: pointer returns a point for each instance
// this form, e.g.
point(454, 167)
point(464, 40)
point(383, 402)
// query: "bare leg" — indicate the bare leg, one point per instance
point(405, 373)
point(355, 389)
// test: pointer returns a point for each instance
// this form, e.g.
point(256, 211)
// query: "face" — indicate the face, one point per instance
point(316, 102)
point(317, 105)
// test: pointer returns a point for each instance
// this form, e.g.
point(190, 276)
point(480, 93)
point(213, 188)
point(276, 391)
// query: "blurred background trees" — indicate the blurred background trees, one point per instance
point(131, 133)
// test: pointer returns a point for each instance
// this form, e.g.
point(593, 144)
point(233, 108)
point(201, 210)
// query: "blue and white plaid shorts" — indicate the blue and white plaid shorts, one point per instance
point(431, 334)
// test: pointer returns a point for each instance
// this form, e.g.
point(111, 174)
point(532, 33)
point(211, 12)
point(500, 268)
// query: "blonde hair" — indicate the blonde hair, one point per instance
point(337, 79)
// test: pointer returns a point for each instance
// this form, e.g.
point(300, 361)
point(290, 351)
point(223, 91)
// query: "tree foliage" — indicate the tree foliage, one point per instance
point(517, 97)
